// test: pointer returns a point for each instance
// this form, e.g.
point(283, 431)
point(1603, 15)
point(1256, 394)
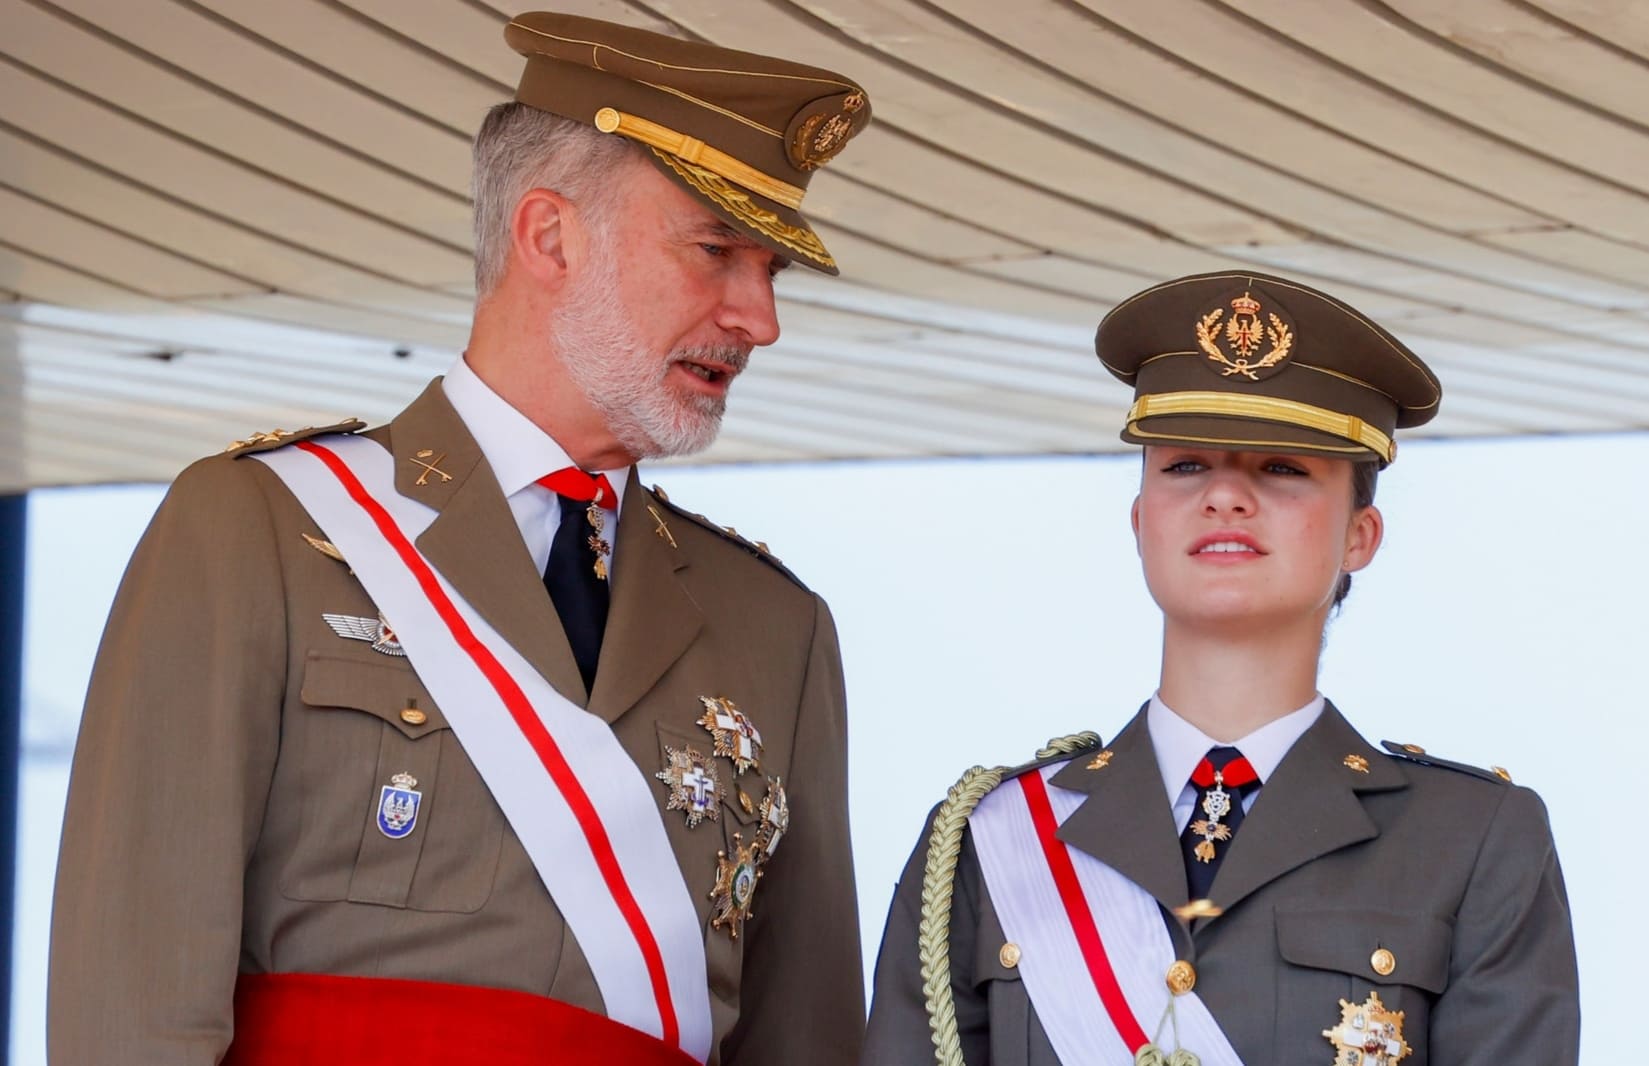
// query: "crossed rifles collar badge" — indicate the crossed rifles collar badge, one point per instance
point(696, 788)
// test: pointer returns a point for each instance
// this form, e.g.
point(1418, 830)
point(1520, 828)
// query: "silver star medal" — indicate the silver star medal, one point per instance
point(694, 786)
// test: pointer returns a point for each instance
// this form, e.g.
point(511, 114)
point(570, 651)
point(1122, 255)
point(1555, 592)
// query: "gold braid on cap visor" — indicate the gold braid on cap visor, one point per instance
point(1267, 408)
point(695, 151)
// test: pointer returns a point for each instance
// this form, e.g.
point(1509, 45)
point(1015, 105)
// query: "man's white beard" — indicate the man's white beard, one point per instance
point(624, 381)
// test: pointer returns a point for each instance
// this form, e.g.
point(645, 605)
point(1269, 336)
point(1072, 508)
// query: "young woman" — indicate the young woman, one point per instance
point(1238, 877)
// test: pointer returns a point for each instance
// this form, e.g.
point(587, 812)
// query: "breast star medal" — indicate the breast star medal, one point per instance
point(775, 820)
point(736, 879)
point(694, 787)
point(736, 736)
point(1368, 1034)
point(375, 631)
point(1217, 804)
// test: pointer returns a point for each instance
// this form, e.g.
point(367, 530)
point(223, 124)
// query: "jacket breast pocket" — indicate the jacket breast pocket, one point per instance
point(1348, 953)
point(393, 811)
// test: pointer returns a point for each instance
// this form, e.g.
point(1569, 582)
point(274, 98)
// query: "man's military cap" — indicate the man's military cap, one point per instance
point(1246, 361)
point(742, 132)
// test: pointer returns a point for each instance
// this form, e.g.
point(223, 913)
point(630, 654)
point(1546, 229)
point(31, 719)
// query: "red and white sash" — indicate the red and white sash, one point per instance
point(1094, 949)
point(584, 811)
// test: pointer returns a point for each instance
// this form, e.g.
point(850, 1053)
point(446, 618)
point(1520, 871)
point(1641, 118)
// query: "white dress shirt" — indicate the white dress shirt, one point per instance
point(1180, 746)
point(520, 453)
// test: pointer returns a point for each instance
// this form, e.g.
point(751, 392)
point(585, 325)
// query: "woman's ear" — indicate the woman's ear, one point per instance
point(1363, 537)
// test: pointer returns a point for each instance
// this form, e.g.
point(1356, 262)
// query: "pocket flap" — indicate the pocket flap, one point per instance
point(1382, 947)
point(389, 690)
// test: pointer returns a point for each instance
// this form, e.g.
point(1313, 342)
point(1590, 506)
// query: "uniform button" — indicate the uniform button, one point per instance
point(1010, 955)
point(413, 716)
point(1182, 977)
point(1383, 962)
point(1414, 749)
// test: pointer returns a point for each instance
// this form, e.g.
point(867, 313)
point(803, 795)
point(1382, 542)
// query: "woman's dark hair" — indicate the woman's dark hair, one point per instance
point(1363, 479)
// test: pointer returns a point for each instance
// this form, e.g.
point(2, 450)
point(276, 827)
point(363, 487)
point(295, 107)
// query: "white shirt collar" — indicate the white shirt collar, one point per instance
point(1180, 745)
point(517, 450)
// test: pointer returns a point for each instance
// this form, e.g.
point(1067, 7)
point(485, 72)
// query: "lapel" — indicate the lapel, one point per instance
point(652, 618)
point(474, 541)
point(1127, 822)
point(1310, 807)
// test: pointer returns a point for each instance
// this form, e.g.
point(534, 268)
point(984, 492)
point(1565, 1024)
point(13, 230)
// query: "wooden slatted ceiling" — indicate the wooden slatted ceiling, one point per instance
point(278, 193)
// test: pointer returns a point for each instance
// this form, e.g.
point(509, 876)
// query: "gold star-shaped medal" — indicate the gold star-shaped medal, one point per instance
point(694, 787)
point(1368, 1034)
point(736, 879)
point(735, 734)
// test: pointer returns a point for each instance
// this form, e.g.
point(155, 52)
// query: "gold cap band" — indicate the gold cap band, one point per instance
point(1268, 408)
point(695, 151)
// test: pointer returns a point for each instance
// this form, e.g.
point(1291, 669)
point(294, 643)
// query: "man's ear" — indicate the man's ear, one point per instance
point(1363, 537)
point(1133, 520)
point(538, 236)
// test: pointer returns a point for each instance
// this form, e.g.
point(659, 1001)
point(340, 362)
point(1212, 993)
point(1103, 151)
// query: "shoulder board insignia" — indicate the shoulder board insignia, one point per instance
point(1059, 749)
point(275, 438)
point(1415, 753)
point(754, 547)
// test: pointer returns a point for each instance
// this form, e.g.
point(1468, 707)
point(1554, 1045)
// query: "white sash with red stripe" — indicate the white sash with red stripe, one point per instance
point(1094, 949)
point(584, 811)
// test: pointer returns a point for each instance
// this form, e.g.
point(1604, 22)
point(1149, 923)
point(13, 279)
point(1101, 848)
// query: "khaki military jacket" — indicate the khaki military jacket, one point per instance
point(221, 811)
point(1451, 871)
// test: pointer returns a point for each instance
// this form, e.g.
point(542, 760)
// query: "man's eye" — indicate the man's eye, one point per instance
point(718, 250)
point(1289, 469)
point(1183, 466)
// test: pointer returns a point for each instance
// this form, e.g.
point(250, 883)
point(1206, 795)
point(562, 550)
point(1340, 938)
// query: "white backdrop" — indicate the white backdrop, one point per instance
point(985, 606)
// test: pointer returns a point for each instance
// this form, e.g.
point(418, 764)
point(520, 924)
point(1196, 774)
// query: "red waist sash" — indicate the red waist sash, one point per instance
point(327, 1020)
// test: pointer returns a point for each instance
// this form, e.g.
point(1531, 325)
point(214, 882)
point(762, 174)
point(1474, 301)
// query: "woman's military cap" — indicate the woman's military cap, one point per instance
point(741, 132)
point(1246, 361)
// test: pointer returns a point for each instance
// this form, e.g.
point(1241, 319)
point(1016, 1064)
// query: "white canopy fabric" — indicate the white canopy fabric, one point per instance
point(224, 216)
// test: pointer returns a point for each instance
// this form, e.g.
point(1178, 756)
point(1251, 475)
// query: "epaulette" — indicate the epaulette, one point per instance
point(756, 548)
point(1415, 753)
point(275, 438)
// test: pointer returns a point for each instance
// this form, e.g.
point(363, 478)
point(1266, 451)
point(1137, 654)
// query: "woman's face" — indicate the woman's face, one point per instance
point(1250, 538)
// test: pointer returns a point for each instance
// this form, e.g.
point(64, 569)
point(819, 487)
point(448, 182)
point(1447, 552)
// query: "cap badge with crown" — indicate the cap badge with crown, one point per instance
point(1243, 335)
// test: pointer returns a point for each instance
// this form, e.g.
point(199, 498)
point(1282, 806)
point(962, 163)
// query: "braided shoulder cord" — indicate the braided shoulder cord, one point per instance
point(939, 890)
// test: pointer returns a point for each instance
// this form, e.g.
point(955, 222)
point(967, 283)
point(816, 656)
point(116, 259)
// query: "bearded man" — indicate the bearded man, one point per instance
point(450, 742)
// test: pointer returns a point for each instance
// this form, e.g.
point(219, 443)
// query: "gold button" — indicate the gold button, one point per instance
point(1502, 773)
point(1383, 962)
point(1009, 955)
point(1182, 977)
point(607, 120)
point(1414, 749)
point(413, 716)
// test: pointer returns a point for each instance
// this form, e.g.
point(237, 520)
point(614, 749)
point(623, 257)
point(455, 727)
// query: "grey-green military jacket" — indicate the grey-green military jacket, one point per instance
point(1346, 851)
point(221, 812)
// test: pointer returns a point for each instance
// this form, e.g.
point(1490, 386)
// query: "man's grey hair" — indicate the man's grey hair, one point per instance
point(520, 148)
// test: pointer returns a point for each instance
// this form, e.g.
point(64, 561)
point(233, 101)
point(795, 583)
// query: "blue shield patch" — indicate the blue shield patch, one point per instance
point(398, 811)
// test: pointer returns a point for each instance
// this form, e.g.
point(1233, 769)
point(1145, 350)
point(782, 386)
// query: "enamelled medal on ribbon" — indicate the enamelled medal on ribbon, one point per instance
point(598, 544)
point(1217, 804)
